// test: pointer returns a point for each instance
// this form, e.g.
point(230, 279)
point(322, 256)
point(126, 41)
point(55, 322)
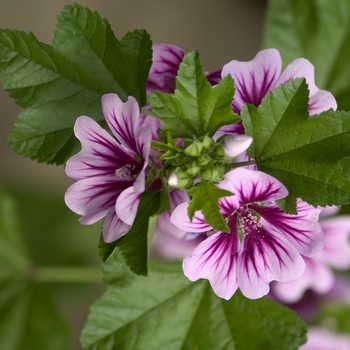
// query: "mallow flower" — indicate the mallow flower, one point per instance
point(264, 243)
point(323, 339)
point(256, 78)
point(110, 171)
point(319, 276)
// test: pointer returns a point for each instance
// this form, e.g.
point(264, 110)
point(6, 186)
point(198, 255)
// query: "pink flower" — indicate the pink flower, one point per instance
point(319, 276)
point(256, 78)
point(110, 175)
point(264, 243)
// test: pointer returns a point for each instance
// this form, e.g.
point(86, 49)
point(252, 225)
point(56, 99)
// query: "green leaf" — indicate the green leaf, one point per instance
point(302, 152)
point(56, 84)
point(134, 245)
point(319, 31)
point(205, 197)
point(28, 316)
point(195, 108)
point(167, 311)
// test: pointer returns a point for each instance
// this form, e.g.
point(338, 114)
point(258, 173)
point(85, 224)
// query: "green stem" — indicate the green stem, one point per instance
point(237, 165)
point(67, 275)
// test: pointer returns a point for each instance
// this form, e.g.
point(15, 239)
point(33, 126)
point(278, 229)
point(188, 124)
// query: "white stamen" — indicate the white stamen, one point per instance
point(125, 172)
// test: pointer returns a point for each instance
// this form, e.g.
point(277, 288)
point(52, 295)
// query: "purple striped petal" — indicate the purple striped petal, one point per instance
point(254, 79)
point(214, 77)
point(265, 257)
point(320, 100)
point(144, 137)
point(251, 186)
point(166, 63)
point(100, 154)
point(127, 205)
point(123, 119)
point(113, 228)
point(302, 230)
point(181, 220)
point(215, 259)
point(94, 197)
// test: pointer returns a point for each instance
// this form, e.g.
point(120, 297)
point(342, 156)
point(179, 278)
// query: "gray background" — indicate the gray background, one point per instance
point(220, 30)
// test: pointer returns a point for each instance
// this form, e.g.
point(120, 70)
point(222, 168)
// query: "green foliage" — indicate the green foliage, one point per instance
point(134, 245)
point(205, 197)
point(28, 317)
point(319, 31)
point(166, 311)
point(302, 152)
point(56, 84)
point(195, 108)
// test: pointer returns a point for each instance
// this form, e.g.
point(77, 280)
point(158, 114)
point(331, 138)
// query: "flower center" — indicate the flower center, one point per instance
point(126, 172)
point(247, 220)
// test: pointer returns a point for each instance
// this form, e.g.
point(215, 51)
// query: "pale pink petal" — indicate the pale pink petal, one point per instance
point(122, 118)
point(329, 210)
point(320, 100)
point(252, 186)
point(93, 197)
point(254, 79)
point(323, 339)
point(236, 144)
point(113, 228)
point(316, 277)
point(336, 251)
point(166, 63)
point(302, 230)
point(127, 205)
point(215, 260)
point(100, 154)
point(265, 257)
point(181, 220)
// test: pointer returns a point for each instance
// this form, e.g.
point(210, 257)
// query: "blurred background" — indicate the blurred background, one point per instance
point(220, 30)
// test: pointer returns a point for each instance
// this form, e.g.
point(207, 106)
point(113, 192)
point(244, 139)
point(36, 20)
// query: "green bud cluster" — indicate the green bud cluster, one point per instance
point(199, 158)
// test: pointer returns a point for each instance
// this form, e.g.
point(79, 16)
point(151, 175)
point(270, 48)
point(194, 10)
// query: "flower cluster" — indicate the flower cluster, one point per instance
point(263, 243)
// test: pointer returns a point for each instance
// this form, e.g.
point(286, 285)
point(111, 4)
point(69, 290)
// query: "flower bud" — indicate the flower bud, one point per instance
point(213, 174)
point(194, 150)
point(180, 179)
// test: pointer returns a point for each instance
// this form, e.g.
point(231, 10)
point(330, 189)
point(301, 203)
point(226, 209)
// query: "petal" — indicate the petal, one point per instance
point(316, 277)
point(127, 205)
point(264, 257)
point(252, 186)
point(214, 77)
point(254, 79)
point(153, 122)
point(302, 230)
point(181, 220)
point(320, 100)
point(166, 63)
point(93, 197)
point(336, 251)
point(144, 137)
point(236, 144)
point(100, 154)
point(122, 118)
point(215, 260)
point(324, 339)
point(113, 228)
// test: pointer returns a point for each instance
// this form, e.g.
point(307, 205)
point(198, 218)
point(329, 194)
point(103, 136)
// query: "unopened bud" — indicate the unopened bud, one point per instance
point(213, 174)
point(194, 150)
point(180, 179)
